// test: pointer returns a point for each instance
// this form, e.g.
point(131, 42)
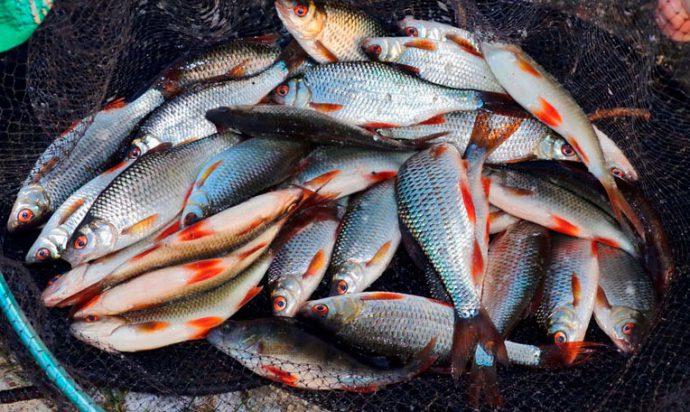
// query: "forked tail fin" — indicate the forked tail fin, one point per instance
point(468, 333)
point(483, 380)
point(621, 208)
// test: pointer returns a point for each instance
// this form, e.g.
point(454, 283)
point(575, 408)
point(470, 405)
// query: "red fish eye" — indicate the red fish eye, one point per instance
point(134, 152)
point(25, 215)
point(301, 10)
point(559, 338)
point(320, 309)
point(91, 318)
point(617, 172)
point(80, 242)
point(279, 303)
point(567, 150)
point(53, 279)
point(283, 90)
point(190, 218)
point(628, 328)
point(411, 31)
point(341, 287)
point(42, 254)
point(375, 49)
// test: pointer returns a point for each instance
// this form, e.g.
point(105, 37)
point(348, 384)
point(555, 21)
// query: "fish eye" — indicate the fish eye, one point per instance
point(411, 31)
point(190, 218)
point(375, 49)
point(341, 287)
point(567, 150)
point(617, 172)
point(53, 279)
point(80, 242)
point(25, 215)
point(320, 309)
point(279, 304)
point(628, 328)
point(91, 318)
point(283, 90)
point(300, 10)
point(134, 152)
point(42, 254)
point(560, 338)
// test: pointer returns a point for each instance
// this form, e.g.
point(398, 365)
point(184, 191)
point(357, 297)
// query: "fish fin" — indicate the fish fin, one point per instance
point(379, 125)
point(567, 354)
point(204, 270)
point(608, 242)
point(141, 226)
point(381, 176)
point(601, 298)
point(325, 52)
point(239, 70)
point(486, 138)
point(420, 43)
point(84, 310)
point(145, 253)
point(115, 104)
point(73, 207)
point(294, 56)
point(70, 127)
point(250, 252)
point(548, 114)
point(439, 119)
point(483, 381)
point(318, 262)
point(501, 103)
point(279, 375)
point(406, 68)
point(467, 333)
point(326, 107)
point(477, 266)
point(467, 200)
point(423, 360)
point(206, 173)
point(268, 39)
point(323, 179)
point(621, 208)
point(152, 326)
point(204, 325)
point(251, 294)
point(464, 44)
point(561, 225)
point(576, 288)
point(524, 65)
point(193, 232)
point(381, 296)
point(160, 148)
point(379, 255)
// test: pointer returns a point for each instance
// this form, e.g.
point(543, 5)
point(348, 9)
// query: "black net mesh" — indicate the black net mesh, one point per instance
point(608, 53)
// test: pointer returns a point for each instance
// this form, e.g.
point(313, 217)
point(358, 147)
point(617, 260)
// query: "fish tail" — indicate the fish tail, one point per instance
point(486, 138)
point(621, 208)
point(567, 354)
point(469, 332)
point(483, 380)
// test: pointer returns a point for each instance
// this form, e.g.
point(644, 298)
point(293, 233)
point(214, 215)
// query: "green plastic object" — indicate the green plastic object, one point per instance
point(19, 19)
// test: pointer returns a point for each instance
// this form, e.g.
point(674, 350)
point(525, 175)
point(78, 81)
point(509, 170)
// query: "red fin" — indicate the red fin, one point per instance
point(71, 209)
point(381, 296)
point(370, 388)
point(141, 226)
point(488, 138)
point(566, 354)
point(326, 107)
point(576, 288)
point(379, 125)
point(419, 43)
point(406, 68)
point(239, 70)
point(594, 246)
point(144, 253)
point(486, 184)
point(379, 255)
point(548, 114)
point(324, 52)
point(468, 332)
point(321, 180)
point(115, 104)
point(516, 191)
point(280, 375)
point(253, 250)
point(91, 302)
point(376, 177)
point(563, 226)
point(465, 44)
point(483, 381)
point(440, 119)
point(477, 265)
point(195, 231)
point(621, 207)
point(153, 326)
point(526, 66)
point(423, 360)
point(250, 295)
point(601, 299)
point(116, 167)
point(268, 39)
point(252, 226)
point(174, 227)
point(467, 200)
point(69, 128)
point(202, 178)
point(438, 150)
point(318, 262)
point(608, 242)
point(574, 143)
point(207, 322)
point(203, 270)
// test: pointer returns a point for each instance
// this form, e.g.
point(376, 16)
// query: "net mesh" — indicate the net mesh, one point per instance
point(608, 53)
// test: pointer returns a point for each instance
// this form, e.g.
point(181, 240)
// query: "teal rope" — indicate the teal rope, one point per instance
point(40, 352)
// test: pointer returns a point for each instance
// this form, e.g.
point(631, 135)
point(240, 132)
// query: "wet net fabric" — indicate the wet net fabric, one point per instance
point(607, 53)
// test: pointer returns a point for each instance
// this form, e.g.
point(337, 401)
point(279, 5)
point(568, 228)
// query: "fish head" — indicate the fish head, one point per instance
point(615, 159)
point(411, 27)
point(95, 239)
point(242, 337)
point(564, 327)
point(625, 326)
point(383, 49)
point(334, 312)
point(96, 330)
point(286, 296)
point(48, 247)
point(294, 92)
point(65, 286)
point(553, 147)
point(142, 144)
point(346, 277)
point(197, 208)
point(303, 18)
point(30, 209)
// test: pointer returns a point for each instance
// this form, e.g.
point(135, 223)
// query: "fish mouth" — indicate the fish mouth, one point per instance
point(64, 287)
point(97, 333)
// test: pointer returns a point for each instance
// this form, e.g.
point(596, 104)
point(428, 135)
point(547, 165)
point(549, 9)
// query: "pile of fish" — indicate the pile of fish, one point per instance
point(309, 166)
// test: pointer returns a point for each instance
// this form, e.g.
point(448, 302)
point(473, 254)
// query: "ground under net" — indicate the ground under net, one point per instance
point(607, 53)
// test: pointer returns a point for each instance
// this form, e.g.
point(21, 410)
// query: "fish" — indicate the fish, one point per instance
point(294, 124)
point(570, 289)
point(411, 27)
point(185, 319)
point(142, 199)
point(233, 59)
point(302, 255)
point(439, 62)
point(616, 161)
point(437, 217)
point(516, 266)
point(82, 152)
point(625, 303)
point(329, 31)
point(539, 93)
point(59, 229)
point(537, 200)
point(183, 119)
point(240, 172)
point(208, 238)
point(399, 325)
point(500, 220)
point(368, 238)
point(375, 95)
point(340, 171)
point(283, 352)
